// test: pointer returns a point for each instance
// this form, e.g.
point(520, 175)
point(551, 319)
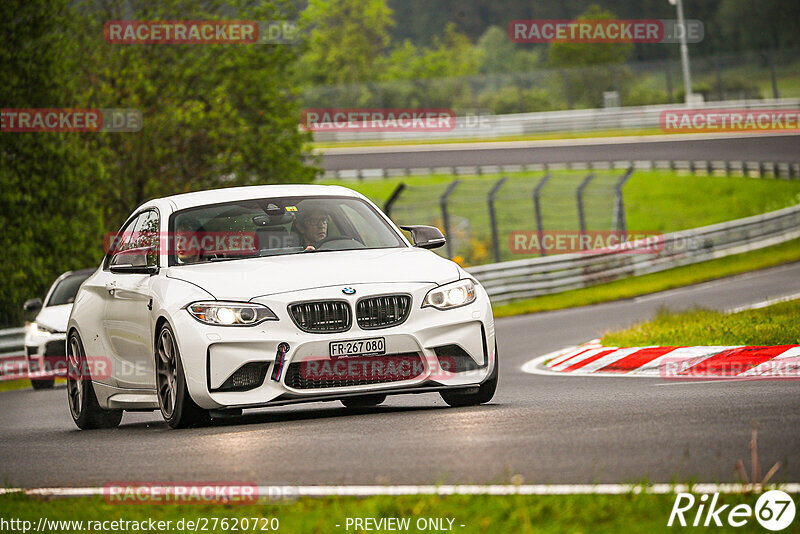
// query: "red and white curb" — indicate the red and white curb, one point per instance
point(739, 362)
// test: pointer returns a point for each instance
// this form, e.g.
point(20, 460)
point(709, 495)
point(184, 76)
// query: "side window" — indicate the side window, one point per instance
point(137, 239)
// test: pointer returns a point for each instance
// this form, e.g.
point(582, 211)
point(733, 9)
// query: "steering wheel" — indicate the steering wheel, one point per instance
point(329, 239)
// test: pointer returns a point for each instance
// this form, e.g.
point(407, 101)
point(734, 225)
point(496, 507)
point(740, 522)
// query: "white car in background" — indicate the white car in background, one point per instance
point(46, 335)
point(218, 301)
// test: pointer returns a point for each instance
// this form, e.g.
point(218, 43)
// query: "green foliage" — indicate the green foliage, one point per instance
point(51, 218)
point(214, 116)
point(591, 68)
point(347, 39)
point(562, 54)
point(500, 54)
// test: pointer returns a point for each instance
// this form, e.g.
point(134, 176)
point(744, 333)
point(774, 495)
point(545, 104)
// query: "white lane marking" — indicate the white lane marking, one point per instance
point(764, 303)
point(466, 489)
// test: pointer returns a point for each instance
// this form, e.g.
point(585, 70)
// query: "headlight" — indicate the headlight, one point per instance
point(36, 329)
point(451, 295)
point(231, 313)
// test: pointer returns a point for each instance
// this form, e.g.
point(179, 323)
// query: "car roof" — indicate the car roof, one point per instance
point(232, 194)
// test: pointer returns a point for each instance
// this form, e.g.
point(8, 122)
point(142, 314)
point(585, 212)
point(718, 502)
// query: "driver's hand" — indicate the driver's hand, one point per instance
point(309, 247)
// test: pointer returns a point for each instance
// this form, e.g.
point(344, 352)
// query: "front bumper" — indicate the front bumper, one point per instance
point(46, 356)
point(212, 354)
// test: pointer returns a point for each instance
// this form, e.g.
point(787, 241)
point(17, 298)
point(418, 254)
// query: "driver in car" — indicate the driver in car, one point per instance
point(312, 226)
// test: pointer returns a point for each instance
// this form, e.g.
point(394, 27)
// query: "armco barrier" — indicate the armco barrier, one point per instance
point(12, 347)
point(576, 120)
point(552, 274)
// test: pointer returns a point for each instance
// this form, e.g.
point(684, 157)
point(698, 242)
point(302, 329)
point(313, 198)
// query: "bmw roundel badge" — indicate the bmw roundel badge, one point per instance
point(349, 291)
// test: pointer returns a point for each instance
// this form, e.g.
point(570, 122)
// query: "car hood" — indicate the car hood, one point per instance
point(55, 317)
point(257, 277)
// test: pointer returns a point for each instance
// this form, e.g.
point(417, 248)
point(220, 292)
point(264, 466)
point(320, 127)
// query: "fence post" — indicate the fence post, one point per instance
point(387, 207)
point(446, 216)
point(537, 211)
point(493, 218)
point(620, 224)
point(579, 198)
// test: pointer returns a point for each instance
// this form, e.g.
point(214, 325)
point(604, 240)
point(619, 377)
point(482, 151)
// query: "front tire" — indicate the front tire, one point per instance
point(83, 406)
point(177, 407)
point(364, 401)
point(483, 395)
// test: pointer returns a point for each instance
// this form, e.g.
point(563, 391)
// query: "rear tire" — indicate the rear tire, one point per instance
point(83, 405)
point(177, 407)
point(364, 401)
point(483, 395)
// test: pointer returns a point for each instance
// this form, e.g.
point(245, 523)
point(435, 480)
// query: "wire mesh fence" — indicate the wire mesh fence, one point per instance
point(482, 216)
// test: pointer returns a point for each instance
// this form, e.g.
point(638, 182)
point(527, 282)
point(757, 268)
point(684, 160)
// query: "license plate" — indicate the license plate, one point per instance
point(358, 347)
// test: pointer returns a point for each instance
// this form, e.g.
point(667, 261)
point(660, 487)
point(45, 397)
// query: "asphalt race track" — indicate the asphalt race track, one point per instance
point(549, 429)
point(779, 148)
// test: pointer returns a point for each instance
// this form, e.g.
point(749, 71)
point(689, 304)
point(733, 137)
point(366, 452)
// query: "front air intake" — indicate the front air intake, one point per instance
point(321, 317)
point(382, 312)
point(247, 377)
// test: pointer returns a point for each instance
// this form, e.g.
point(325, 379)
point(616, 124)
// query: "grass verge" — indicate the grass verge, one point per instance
point(651, 283)
point(563, 513)
point(772, 325)
point(12, 385)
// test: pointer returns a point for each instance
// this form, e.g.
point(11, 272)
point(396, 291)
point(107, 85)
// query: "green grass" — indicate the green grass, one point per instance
point(651, 283)
point(11, 385)
point(773, 325)
point(568, 513)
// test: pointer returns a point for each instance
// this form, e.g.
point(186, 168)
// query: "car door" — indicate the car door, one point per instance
point(127, 315)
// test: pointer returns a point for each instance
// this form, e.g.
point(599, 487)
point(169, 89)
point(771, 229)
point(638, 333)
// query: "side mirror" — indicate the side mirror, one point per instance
point(133, 260)
point(32, 305)
point(426, 236)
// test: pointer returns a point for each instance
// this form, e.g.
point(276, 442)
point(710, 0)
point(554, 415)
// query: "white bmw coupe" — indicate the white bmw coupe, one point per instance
point(212, 302)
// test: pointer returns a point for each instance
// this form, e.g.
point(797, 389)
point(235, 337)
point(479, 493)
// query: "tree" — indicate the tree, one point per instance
point(51, 221)
point(500, 54)
point(591, 67)
point(347, 37)
point(214, 115)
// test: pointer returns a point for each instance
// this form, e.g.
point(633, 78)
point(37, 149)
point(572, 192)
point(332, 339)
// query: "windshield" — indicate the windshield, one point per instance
point(277, 226)
point(66, 289)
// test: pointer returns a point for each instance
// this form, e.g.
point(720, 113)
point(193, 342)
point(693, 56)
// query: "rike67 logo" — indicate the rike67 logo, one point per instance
point(774, 510)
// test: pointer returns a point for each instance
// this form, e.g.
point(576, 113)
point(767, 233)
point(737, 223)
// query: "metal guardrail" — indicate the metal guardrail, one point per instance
point(576, 120)
point(553, 274)
point(755, 169)
point(12, 350)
